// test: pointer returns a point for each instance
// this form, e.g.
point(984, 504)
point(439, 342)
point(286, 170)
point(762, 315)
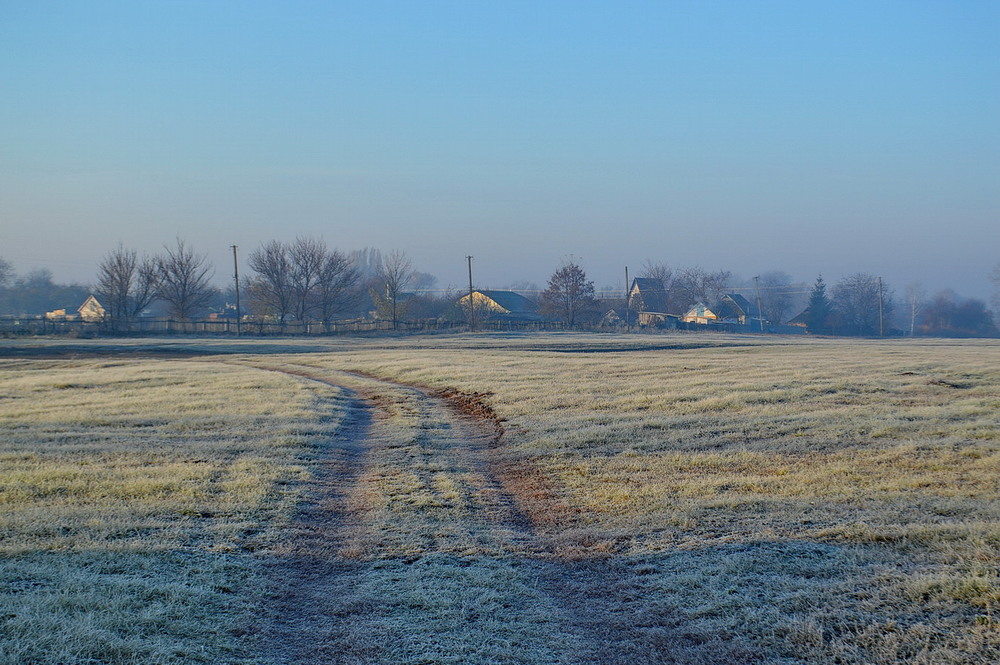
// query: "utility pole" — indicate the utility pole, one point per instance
point(236, 277)
point(760, 312)
point(472, 301)
point(628, 305)
point(881, 313)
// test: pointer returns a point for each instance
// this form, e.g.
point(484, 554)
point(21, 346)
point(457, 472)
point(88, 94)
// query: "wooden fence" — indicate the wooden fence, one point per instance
point(28, 326)
point(10, 326)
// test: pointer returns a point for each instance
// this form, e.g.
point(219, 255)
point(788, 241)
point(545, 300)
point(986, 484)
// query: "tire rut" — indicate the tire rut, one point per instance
point(307, 570)
point(417, 542)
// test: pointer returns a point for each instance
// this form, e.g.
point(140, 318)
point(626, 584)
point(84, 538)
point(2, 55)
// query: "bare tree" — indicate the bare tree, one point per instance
point(775, 295)
point(949, 315)
point(423, 281)
point(862, 302)
point(306, 256)
point(126, 285)
point(337, 290)
point(184, 280)
point(394, 274)
point(659, 271)
point(664, 274)
point(270, 289)
point(304, 279)
point(695, 284)
point(569, 296)
point(916, 300)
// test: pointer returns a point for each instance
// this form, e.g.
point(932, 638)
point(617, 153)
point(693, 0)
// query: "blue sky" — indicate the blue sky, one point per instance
point(809, 137)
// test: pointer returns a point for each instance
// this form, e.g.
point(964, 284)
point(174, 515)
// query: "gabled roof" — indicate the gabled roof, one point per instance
point(91, 304)
point(91, 309)
point(700, 311)
point(735, 306)
point(649, 294)
point(513, 302)
point(504, 304)
point(800, 319)
point(647, 284)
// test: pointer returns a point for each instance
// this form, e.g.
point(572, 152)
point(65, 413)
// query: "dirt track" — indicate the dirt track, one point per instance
point(419, 543)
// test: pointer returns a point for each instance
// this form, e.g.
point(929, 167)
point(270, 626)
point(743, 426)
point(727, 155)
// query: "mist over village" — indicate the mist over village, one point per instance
point(307, 286)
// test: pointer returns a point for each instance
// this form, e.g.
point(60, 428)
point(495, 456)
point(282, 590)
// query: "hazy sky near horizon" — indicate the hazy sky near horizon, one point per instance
point(809, 137)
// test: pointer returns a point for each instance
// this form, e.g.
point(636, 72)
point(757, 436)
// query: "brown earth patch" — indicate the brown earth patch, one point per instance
point(477, 406)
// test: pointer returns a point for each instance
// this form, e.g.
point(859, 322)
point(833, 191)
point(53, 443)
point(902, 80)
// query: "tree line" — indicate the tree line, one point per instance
point(860, 304)
point(302, 281)
point(307, 281)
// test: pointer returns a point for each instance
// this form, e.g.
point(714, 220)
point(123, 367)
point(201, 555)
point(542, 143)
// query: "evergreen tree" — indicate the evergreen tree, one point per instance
point(819, 310)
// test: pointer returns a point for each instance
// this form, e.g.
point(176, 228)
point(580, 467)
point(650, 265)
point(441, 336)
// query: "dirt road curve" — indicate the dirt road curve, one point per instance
point(417, 543)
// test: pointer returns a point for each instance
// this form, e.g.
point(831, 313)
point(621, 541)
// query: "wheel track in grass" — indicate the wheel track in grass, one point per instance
point(417, 541)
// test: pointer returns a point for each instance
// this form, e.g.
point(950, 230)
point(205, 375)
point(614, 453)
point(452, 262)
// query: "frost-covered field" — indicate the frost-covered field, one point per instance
point(754, 499)
point(131, 493)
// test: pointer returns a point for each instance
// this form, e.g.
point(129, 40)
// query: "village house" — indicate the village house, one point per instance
point(503, 305)
point(91, 310)
point(701, 314)
point(732, 308)
point(800, 320)
point(648, 299)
